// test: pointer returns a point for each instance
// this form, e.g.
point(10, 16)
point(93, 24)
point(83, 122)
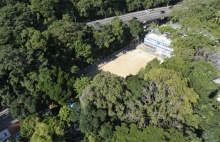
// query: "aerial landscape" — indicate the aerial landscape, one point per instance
point(110, 70)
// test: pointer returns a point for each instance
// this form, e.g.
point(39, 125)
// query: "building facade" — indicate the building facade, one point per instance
point(158, 44)
point(9, 127)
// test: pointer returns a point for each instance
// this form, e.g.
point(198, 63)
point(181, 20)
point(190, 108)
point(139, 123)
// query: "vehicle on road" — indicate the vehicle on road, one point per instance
point(148, 11)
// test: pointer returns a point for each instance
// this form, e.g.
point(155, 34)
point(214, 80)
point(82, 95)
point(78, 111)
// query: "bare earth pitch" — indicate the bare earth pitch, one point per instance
point(129, 63)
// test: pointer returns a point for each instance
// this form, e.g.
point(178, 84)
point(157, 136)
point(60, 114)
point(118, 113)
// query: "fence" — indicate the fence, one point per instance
point(111, 57)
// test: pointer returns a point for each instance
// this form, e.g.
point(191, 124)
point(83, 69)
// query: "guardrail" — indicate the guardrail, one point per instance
point(107, 59)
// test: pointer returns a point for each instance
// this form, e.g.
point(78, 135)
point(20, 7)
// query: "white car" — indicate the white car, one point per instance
point(148, 11)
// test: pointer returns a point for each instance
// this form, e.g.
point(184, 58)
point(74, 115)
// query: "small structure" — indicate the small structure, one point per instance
point(158, 44)
point(71, 105)
point(218, 99)
point(48, 111)
point(4, 135)
point(216, 80)
point(147, 24)
point(52, 109)
point(9, 127)
point(174, 25)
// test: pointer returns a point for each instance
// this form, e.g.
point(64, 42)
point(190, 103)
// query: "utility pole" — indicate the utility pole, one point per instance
point(103, 11)
point(168, 2)
point(138, 7)
point(75, 19)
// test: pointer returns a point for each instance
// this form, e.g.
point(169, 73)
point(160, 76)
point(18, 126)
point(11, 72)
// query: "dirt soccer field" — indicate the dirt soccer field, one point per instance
point(129, 63)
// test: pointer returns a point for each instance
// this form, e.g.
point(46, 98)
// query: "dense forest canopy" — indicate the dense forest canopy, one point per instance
point(44, 44)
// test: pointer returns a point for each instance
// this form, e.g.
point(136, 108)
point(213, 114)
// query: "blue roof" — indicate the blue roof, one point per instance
point(71, 105)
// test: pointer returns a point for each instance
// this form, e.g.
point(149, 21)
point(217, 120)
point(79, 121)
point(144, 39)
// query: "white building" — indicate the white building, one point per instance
point(158, 44)
point(218, 99)
point(217, 80)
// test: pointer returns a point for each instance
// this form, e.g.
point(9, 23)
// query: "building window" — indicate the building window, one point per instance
point(5, 134)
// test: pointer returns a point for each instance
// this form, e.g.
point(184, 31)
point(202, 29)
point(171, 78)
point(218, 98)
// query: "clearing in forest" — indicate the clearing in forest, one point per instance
point(128, 63)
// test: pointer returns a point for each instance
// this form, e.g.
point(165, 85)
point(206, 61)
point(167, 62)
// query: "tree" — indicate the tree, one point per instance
point(143, 4)
point(203, 13)
point(118, 30)
point(135, 85)
point(136, 27)
point(65, 32)
point(112, 36)
point(65, 113)
point(83, 51)
point(84, 7)
point(167, 96)
point(99, 8)
point(50, 129)
point(202, 31)
point(209, 123)
point(41, 134)
point(80, 84)
point(56, 84)
point(44, 10)
point(43, 128)
point(106, 131)
point(17, 86)
point(104, 39)
point(194, 47)
point(177, 64)
point(132, 133)
point(37, 89)
point(34, 39)
point(7, 2)
point(95, 124)
point(66, 46)
point(75, 112)
point(105, 92)
point(169, 29)
point(216, 18)
point(28, 130)
point(155, 63)
point(14, 18)
point(201, 78)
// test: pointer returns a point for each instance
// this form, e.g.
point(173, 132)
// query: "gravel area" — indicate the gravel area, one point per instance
point(129, 63)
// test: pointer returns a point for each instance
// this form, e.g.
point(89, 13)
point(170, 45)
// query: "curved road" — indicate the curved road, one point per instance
point(156, 13)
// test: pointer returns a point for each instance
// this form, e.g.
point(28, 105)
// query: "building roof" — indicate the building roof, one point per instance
point(14, 129)
point(4, 135)
point(156, 31)
point(6, 119)
point(159, 37)
point(218, 99)
point(217, 80)
point(175, 26)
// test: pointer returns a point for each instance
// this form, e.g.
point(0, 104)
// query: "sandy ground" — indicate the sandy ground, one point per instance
point(129, 63)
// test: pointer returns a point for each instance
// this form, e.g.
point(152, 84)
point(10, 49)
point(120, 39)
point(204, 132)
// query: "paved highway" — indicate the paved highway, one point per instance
point(144, 15)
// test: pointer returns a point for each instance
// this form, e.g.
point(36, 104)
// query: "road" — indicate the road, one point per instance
point(156, 13)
